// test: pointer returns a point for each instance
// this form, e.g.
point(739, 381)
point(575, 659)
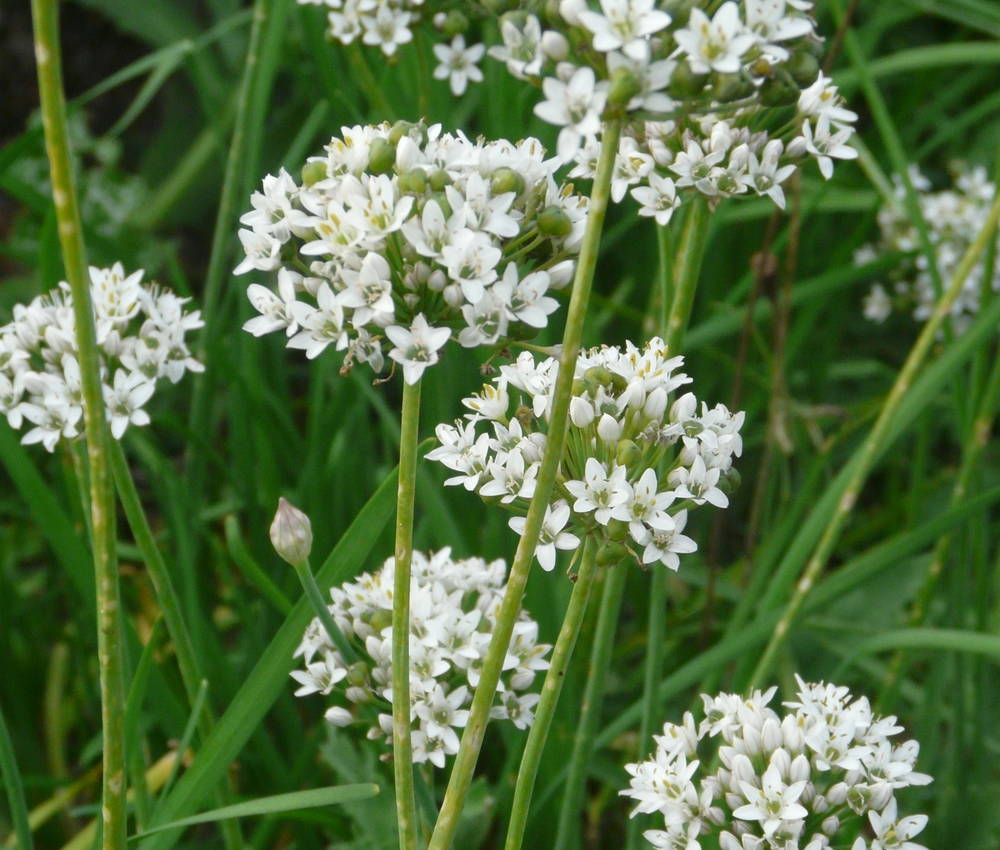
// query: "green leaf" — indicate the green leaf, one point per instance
point(310, 799)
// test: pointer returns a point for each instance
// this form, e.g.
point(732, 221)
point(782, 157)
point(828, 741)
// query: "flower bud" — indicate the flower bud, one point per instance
point(803, 67)
point(830, 825)
point(616, 530)
point(455, 23)
point(581, 412)
point(730, 480)
point(555, 45)
point(291, 533)
point(338, 716)
point(609, 429)
point(656, 404)
point(570, 11)
point(313, 171)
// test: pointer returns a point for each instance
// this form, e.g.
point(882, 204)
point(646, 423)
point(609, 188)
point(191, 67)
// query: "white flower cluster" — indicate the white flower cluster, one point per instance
point(634, 462)
point(407, 233)
point(382, 23)
point(954, 217)
point(809, 780)
point(141, 331)
point(453, 610)
point(722, 105)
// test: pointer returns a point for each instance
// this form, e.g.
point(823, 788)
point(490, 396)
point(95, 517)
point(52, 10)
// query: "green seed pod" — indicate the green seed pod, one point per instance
point(762, 67)
point(779, 90)
point(442, 202)
point(553, 221)
point(618, 382)
point(597, 376)
point(730, 481)
point(803, 66)
point(729, 87)
point(398, 130)
point(686, 83)
point(414, 180)
point(506, 180)
point(439, 179)
point(521, 331)
point(455, 24)
point(381, 620)
point(625, 84)
point(313, 172)
point(616, 530)
point(381, 157)
point(611, 554)
point(357, 673)
point(627, 453)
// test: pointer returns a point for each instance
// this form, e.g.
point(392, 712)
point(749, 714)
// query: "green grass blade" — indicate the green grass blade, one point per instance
point(13, 787)
point(946, 640)
point(314, 797)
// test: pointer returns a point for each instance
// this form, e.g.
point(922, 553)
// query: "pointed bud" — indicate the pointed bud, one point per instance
point(609, 429)
point(554, 45)
point(581, 412)
point(338, 716)
point(291, 533)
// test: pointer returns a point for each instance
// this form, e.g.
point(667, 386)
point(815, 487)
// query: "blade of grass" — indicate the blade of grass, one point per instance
point(14, 787)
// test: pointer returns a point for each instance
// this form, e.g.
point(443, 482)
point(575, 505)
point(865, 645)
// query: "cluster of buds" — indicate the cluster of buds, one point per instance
point(718, 99)
point(453, 610)
point(405, 233)
point(954, 218)
point(636, 459)
point(141, 330)
point(746, 778)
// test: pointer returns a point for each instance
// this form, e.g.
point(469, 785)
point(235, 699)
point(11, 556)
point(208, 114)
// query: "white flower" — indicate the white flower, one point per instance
point(717, 44)
point(321, 325)
point(644, 505)
point(824, 143)
point(821, 98)
point(765, 176)
point(521, 49)
point(459, 64)
point(893, 834)
point(878, 305)
point(575, 106)
point(599, 492)
point(773, 803)
point(768, 21)
point(699, 484)
point(552, 536)
point(125, 399)
point(665, 541)
point(624, 25)
point(416, 349)
point(388, 28)
point(276, 310)
point(659, 199)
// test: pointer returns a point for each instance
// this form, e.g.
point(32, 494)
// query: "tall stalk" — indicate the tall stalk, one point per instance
point(590, 709)
point(102, 504)
point(869, 449)
point(475, 730)
point(682, 284)
point(551, 689)
point(402, 751)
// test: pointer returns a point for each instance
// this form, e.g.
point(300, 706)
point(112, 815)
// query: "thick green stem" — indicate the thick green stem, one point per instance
point(590, 709)
point(475, 730)
point(551, 689)
point(873, 442)
point(102, 503)
point(402, 752)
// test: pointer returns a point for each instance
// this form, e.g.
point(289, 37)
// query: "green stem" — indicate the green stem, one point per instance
point(682, 282)
point(15, 790)
point(475, 730)
point(402, 752)
point(687, 266)
point(102, 504)
point(551, 689)
point(590, 709)
point(315, 597)
point(870, 448)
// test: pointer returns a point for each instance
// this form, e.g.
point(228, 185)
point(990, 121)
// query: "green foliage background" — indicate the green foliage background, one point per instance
point(155, 89)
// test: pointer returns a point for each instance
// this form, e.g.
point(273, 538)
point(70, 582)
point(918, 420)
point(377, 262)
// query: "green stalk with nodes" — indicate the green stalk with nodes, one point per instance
point(402, 751)
point(475, 730)
point(551, 689)
point(865, 458)
point(102, 500)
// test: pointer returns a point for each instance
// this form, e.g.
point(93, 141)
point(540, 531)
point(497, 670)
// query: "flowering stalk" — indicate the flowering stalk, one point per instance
point(684, 282)
point(402, 750)
point(472, 739)
point(46, 23)
point(590, 709)
point(870, 448)
point(551, 689)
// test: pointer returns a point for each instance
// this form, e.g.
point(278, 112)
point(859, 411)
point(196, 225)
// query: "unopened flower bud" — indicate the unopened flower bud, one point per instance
point(291, 533)
point(609, 429)
point(338, 716)
point(570, 11)
point(830, 825)
point(313, 171)
point(656, 404)
point(581, 412)
point(555, 45)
